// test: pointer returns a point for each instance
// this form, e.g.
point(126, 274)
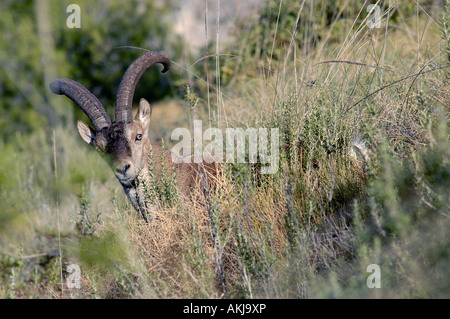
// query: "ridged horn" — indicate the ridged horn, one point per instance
point(87, 101)
point(130, 79)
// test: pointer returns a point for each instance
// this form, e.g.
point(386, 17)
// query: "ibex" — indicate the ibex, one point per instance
point(124, 144)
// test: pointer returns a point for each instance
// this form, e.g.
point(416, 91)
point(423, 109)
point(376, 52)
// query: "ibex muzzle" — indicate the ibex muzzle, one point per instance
point(124, 144)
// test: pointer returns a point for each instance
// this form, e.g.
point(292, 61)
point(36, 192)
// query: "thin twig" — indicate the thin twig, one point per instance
point(395, 82)
point(356, 63)
point(57, 212)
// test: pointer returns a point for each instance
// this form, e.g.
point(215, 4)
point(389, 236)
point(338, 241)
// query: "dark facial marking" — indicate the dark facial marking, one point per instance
point(116, 143)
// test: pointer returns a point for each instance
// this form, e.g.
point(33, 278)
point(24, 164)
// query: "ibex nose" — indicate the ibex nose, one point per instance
point(123, 170)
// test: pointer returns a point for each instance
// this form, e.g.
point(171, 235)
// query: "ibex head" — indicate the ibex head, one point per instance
point(121, 143)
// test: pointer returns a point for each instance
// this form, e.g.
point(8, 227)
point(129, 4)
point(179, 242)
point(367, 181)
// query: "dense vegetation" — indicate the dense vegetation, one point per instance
point(313, 70)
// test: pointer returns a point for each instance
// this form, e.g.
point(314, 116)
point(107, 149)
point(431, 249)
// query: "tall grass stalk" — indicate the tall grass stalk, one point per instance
point(58, 227)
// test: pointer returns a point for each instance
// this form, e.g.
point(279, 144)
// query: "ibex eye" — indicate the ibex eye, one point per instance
point(138, 137)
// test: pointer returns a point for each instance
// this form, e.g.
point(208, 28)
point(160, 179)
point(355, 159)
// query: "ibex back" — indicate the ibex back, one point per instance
point(124, 144)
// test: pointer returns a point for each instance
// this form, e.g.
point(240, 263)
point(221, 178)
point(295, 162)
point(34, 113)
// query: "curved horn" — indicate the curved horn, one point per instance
point(87, 101)
point(130, 79)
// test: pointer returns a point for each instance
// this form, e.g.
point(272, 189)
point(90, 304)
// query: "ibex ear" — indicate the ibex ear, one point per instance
point(144, 113)
point(86, 133)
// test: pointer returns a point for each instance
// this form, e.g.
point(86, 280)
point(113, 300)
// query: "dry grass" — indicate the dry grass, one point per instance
point(311, 229)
